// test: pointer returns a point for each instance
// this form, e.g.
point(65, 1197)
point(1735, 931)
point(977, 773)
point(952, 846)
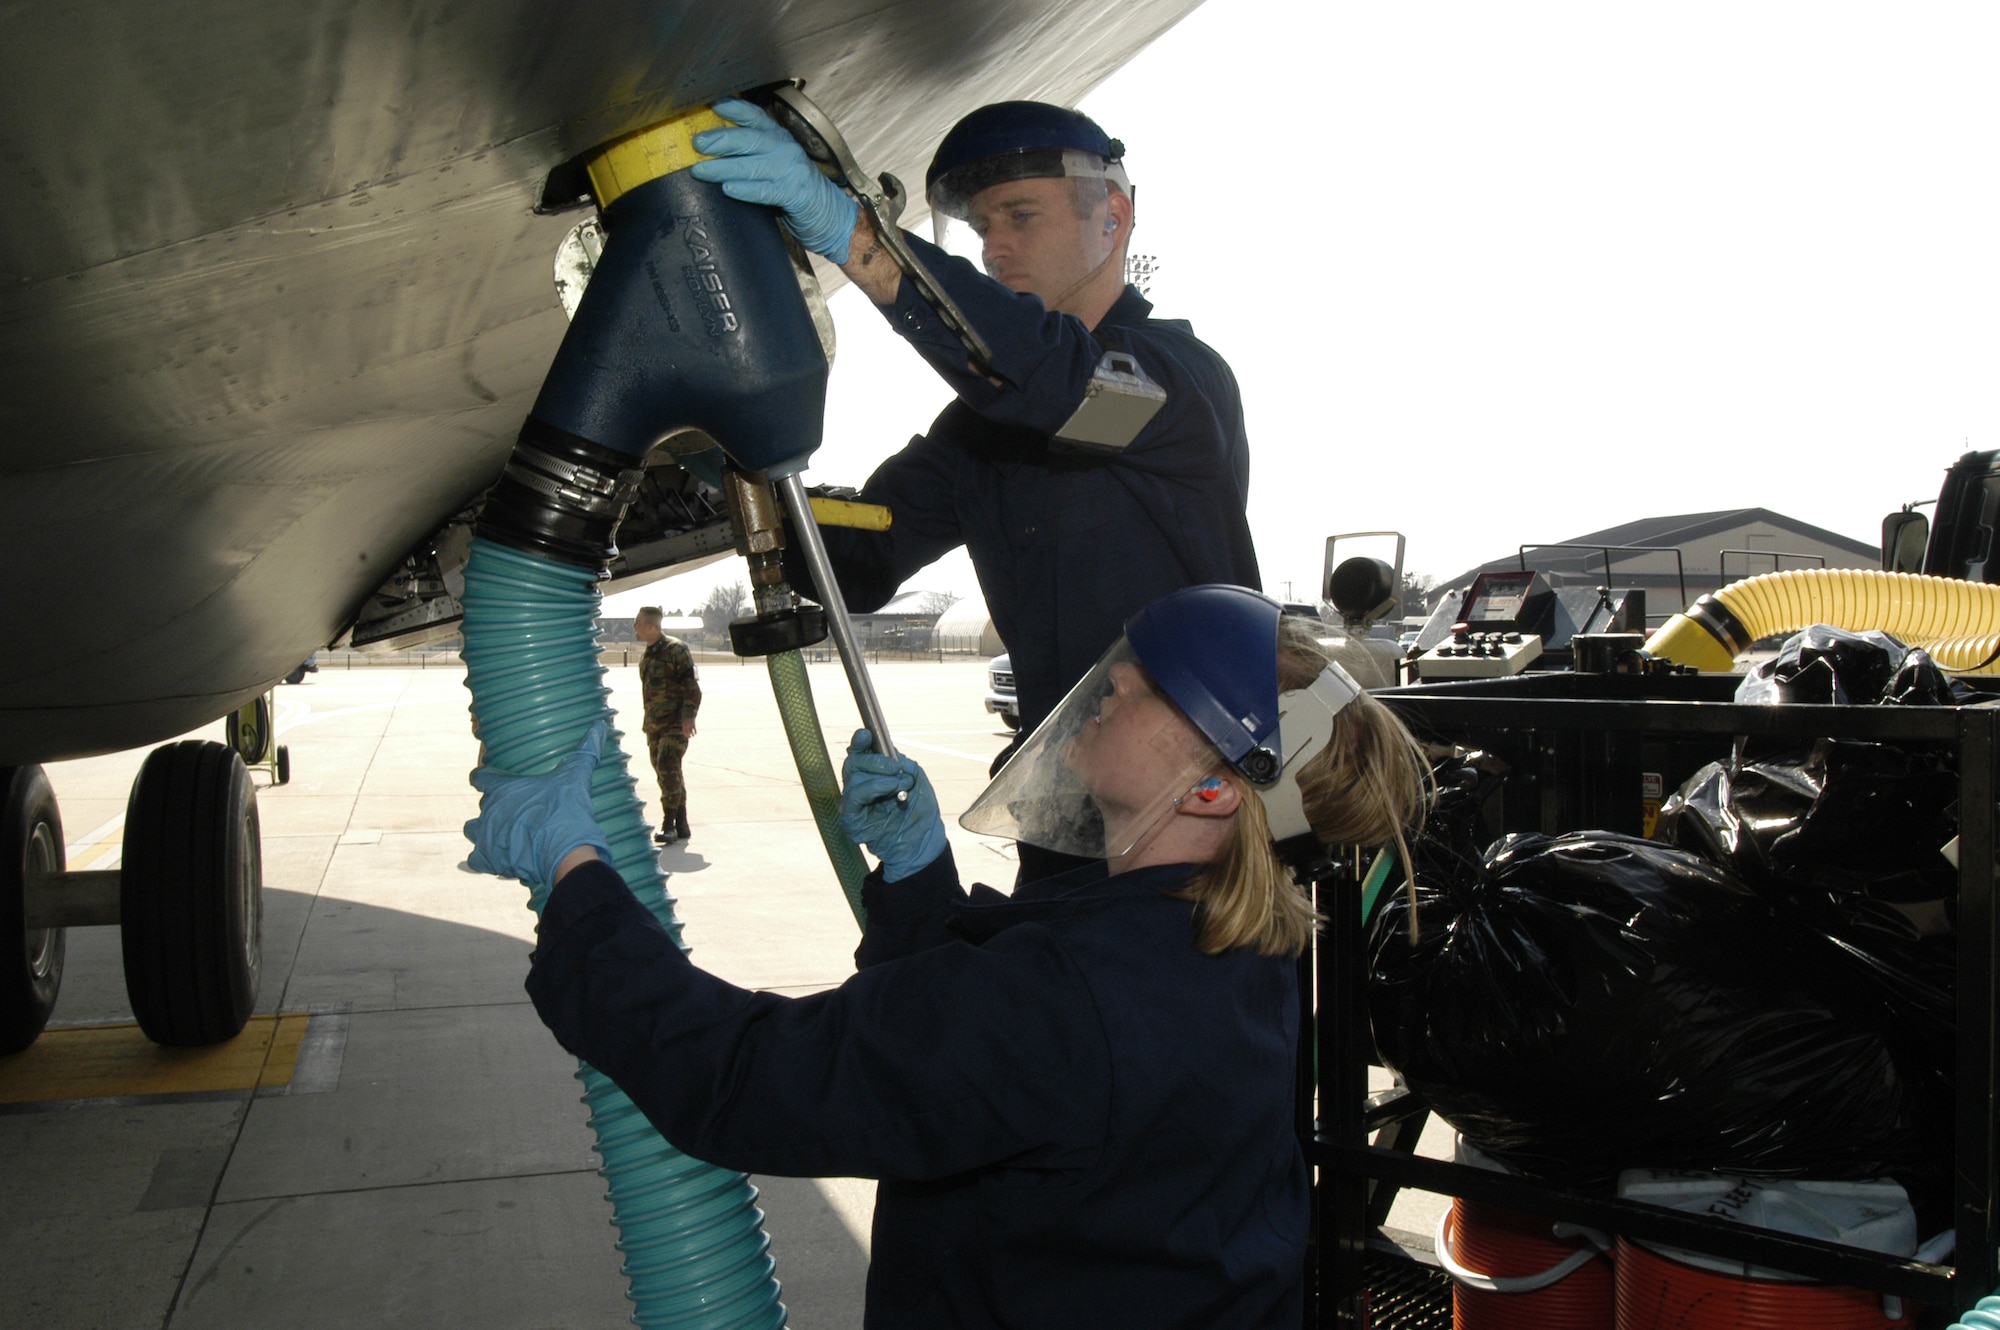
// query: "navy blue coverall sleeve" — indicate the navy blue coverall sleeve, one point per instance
point(909, 915)
point(1046, 361)
point(945, 1060)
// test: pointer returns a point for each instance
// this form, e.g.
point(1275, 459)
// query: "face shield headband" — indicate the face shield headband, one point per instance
point(952, 194)
point(1305, 724)
point(1102, 771)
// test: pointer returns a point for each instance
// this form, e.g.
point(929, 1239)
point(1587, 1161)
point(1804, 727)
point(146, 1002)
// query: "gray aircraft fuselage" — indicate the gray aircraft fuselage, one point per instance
point(275, 296)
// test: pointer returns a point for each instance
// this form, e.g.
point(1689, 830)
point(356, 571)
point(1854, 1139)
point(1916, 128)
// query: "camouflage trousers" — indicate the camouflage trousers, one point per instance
point(668, 750)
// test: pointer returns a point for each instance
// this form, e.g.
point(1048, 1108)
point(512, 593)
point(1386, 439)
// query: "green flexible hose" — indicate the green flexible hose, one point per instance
point(801, 718)
point(1371, 886)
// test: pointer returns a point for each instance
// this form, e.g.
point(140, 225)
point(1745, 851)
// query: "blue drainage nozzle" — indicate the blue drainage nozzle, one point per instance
point(693, 319)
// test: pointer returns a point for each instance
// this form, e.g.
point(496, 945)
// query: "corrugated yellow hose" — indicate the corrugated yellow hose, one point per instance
point(1957, 622)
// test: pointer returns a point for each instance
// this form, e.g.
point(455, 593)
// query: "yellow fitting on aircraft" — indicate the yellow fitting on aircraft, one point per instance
point(1957, 622)
point(647, 154)
point(842, 512)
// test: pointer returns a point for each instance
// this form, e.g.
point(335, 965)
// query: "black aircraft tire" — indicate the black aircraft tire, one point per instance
point(284, 764)
point(31, 961)
point(191, 899)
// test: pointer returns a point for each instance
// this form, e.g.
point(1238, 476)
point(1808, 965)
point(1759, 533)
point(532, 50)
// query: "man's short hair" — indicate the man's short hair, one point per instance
point(648, 614)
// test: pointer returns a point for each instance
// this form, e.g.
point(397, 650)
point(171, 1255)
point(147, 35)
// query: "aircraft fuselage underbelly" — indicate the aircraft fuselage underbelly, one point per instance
point(274, 298)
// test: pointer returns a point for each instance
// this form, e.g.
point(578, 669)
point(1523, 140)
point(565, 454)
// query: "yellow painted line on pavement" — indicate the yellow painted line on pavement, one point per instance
point(118, 1061)
point(78, 862)
point(282, 1058)
point(102, 840)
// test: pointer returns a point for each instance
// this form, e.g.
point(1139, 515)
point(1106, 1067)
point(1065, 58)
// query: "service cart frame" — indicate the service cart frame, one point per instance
point(1578, 746)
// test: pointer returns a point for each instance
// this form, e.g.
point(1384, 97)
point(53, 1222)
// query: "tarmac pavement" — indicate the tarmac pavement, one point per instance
point(428, 1162)
point(418, 1154)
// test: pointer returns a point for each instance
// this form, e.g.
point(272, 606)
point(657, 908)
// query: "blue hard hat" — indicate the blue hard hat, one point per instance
point(1213, 650)
point(1016, 141)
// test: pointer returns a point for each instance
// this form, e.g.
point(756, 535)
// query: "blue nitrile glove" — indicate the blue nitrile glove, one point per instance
point(759, 162)
point(526, 824)
point(904, 836)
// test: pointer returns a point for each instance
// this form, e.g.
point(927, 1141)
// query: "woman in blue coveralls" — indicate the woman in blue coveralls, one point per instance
point(1078, 1100)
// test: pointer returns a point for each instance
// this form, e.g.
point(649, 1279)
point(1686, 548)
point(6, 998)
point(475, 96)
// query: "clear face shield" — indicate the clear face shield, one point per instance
point(1047, 201)
point(1102, 771)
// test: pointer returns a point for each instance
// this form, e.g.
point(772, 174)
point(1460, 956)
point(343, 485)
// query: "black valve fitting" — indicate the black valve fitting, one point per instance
point(782, 630)
point(561, 496)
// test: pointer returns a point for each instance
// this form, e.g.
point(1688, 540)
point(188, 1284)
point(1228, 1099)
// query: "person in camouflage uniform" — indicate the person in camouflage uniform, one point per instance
point(672, 696)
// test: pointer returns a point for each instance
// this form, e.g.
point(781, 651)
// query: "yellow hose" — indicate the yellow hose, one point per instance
point(1957, 622)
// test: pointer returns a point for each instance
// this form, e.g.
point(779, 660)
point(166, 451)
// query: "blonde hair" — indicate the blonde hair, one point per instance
point(1370, 785)
point(649, 614)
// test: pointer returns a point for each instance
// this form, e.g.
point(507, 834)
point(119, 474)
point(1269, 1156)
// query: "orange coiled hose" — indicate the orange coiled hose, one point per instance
point(1957, 622)
point(1655, 1293)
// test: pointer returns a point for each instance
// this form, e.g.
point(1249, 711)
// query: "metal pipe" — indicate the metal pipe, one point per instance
point(842, 628)
point(77, 899)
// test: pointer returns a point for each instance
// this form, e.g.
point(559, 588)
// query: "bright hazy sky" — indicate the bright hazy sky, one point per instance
point(1498, 273)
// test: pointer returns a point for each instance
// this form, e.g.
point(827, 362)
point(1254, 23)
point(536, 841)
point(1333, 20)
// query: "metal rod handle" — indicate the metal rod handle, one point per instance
point(806, 530)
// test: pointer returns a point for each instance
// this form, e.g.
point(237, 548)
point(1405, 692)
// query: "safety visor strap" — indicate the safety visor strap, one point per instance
point(954, 190)
point(1305, 723)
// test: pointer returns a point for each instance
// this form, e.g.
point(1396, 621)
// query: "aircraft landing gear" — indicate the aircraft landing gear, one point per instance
point(31, 959)
point(253, 733)
point(191, 901)
point(188, 899)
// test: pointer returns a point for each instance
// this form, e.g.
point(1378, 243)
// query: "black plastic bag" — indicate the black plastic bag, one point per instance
point(1451, 846)
point(1843, 839)
point(1595, 1002)
point(1831, 817)
point(1822, 663)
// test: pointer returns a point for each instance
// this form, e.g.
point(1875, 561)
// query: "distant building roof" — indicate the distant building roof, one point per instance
point(1672, 532)
point(908, 604)
point(966, 626)
point(1692, 526)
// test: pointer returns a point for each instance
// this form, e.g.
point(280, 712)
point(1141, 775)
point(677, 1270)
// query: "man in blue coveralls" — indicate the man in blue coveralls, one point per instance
point(1067, 541)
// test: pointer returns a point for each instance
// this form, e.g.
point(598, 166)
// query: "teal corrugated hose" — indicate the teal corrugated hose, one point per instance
point(795, 707)
point(1985, 1315)
point(695, 1251)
